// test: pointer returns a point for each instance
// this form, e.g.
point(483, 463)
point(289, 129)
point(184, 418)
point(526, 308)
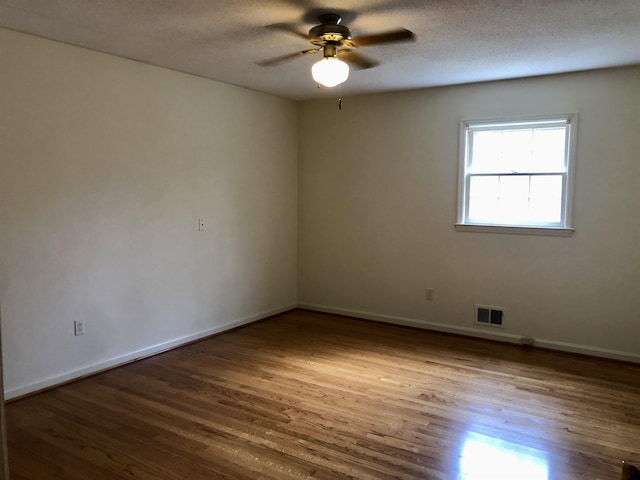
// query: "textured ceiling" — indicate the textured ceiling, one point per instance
point(458, 41)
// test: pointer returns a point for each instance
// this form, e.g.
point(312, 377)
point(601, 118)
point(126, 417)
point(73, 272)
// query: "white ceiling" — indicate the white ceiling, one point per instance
point(458, 41)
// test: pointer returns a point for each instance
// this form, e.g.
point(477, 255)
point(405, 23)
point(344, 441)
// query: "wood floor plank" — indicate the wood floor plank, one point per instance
point(307, 395)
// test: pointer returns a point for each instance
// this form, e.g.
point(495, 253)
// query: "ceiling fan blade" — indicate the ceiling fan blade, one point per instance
point(289, 28)
point(400, 35)
point(283, 58)
point(357, 60)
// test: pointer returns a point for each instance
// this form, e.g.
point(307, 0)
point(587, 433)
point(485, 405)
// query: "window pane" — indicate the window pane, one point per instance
point(484, 187)
point(483, 198)
point(522, 150)
point(517, 149)
point(549, 186)
point(545, 204)
point(483, 210)
point(545, 210)
point(549, 150)
point(487, 152)
point(514, 199)
point(514, 188)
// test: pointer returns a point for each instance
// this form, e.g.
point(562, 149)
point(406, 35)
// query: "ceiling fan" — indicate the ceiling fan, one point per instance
point(338, 47)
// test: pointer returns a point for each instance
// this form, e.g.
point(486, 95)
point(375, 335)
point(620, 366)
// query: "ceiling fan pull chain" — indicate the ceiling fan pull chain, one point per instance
point(340, 97)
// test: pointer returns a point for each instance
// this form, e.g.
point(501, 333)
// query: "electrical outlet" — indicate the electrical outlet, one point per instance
point(527, 341)
point(429, 294)
point(78, 327)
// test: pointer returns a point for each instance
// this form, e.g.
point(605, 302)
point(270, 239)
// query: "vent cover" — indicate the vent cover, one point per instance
point(491, 316)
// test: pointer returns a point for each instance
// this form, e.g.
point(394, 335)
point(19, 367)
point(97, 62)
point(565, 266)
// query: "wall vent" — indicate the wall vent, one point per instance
point(491, 316)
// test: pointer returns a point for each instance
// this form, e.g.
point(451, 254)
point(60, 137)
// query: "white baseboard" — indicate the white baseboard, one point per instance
point(133, 356)
point(472, 332)
point(439, 327)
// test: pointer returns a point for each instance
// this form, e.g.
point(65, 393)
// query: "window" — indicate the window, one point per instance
point(517, 175)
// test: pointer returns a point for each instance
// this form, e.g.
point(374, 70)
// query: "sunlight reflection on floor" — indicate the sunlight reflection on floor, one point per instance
point(488, 458)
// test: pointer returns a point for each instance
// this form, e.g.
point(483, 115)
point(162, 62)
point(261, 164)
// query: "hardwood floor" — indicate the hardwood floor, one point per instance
point(307, 395)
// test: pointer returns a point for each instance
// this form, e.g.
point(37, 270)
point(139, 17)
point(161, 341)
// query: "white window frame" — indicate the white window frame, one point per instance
point(562, 228)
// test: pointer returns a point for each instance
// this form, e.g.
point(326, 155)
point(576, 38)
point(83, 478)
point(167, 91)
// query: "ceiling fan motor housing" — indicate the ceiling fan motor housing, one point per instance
point(329, 31)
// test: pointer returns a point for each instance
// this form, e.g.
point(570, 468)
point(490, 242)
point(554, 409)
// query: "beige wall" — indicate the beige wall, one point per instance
point(378, 203)
point(106, 166)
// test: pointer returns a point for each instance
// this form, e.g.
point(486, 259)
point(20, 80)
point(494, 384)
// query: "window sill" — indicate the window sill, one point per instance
point(545, 231)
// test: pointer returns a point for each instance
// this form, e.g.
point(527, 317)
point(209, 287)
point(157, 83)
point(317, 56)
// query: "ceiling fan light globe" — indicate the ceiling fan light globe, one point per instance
point(330, 71)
